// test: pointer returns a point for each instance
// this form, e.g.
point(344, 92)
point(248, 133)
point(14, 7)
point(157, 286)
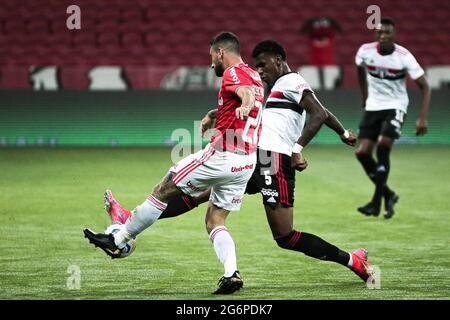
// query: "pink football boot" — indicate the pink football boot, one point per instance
point(115, 210)
point(361, 264)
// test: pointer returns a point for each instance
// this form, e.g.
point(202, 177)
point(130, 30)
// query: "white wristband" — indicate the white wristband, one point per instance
point(297, 148)
point(346, 134)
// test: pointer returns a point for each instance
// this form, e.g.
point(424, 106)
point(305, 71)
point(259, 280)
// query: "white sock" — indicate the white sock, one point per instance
point(350, 261)
point(225, 249)
point(142, 218)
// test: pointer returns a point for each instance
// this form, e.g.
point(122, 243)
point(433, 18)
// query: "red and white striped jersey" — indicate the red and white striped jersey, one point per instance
point(386, 76)
point(233, 134)
point(283, 118)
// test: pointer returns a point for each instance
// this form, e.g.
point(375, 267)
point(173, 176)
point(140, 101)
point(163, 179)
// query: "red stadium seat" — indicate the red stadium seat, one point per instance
point(14, 77)
point(177, 32)
point(107, 26)
point(14, 25)
point(59, 40)
point(132, 39)
point(38, 25)
point(81, 39)
point(132, 14)
point(132, 26)
point(107, 38)
point(75, 77)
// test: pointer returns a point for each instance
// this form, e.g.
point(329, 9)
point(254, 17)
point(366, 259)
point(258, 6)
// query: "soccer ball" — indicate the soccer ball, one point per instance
point(129, 247)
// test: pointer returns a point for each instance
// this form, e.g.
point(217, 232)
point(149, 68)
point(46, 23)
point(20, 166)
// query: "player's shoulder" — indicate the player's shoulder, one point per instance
point(290, 78)
point(368, 47)
point(230, 75)
point(250, 71)
point(402, 51)
point(241, 70)
point(291, 82)
point(240, 67)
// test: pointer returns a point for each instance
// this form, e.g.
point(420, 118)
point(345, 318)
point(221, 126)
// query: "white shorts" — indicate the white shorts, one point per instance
point(227, 173)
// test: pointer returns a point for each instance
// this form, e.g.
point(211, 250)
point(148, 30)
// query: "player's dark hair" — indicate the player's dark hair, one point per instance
point(226, 40)
point(269, 46)
point(387, 21)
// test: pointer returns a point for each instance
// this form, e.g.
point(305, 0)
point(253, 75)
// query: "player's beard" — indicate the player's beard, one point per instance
point(219, 69)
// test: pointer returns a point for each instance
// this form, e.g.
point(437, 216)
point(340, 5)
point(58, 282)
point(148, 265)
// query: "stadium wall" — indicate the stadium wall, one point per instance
point(149, 118)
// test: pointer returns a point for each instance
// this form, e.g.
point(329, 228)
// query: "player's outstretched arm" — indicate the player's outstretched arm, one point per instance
point(347, 136)
point(421, 123)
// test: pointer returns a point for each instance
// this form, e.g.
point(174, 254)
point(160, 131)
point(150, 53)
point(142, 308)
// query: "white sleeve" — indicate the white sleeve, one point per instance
point(414, 69)
point(294, 86)
point(359, 58)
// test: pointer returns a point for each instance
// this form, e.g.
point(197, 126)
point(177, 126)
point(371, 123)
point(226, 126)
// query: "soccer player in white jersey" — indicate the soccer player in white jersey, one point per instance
point(225, 165)
point(284, 134)
point(382, 67)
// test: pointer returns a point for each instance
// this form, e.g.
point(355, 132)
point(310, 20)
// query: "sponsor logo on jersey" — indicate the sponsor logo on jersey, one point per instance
point(258, 91)
point(220, 101)
point(302, 86)
point(269, 192)
point(255, 76)
point(234, 76)
point(239, 169)
point(191, 186)
point(236, 200)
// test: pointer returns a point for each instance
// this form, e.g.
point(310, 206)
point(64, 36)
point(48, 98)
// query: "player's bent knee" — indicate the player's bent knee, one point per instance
point(361, 154)
point(286, 240)
point(158, 192)
point(166, 191)
point(384, 144)
point(211, 223)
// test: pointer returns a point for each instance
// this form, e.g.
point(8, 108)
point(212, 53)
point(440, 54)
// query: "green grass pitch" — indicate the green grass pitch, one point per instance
point(47, 196)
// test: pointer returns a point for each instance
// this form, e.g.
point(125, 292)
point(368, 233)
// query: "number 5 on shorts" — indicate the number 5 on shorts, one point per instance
point(268, 178)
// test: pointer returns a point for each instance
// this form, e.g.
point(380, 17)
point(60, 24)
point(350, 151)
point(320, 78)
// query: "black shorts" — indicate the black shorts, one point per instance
point(274, 178)
point(387, 123)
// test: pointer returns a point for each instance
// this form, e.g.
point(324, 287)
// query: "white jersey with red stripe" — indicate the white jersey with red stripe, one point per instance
point(233, 134)
point(386, 76)
point(283, 118)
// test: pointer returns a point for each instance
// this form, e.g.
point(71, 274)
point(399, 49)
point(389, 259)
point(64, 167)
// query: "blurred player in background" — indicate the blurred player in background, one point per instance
point(384, 95)
point(322, 33)
point(284, 134)
point(225, 165)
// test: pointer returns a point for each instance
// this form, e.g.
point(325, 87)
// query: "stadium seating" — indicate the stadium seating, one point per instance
point(170, 33)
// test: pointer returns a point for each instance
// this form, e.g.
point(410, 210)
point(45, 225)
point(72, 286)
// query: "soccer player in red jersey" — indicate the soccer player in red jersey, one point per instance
point(285, 132)
point(225, 165)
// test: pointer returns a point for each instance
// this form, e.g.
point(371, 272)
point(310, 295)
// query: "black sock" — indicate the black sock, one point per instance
point(178, 206)
point(313, 246)
point(370, 167)
point(382, 172)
